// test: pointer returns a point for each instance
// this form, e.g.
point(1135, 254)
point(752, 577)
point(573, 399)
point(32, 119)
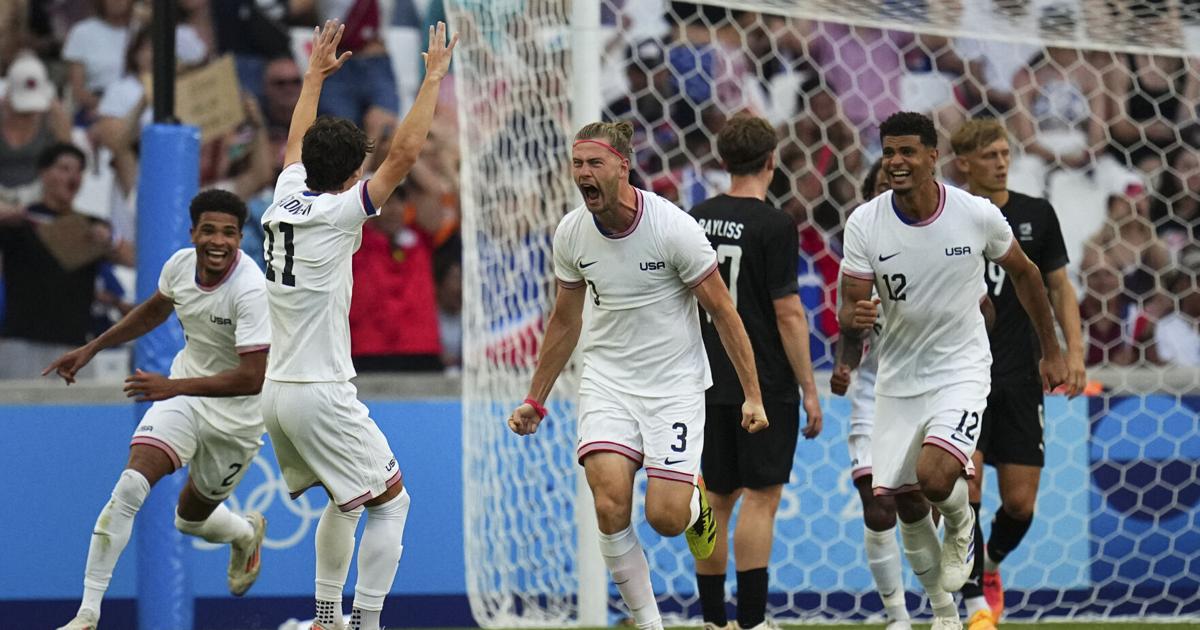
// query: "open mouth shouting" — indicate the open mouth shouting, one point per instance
point(591, 194)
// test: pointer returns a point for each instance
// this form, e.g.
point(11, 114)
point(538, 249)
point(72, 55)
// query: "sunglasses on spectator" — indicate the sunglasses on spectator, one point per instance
point(286, 81)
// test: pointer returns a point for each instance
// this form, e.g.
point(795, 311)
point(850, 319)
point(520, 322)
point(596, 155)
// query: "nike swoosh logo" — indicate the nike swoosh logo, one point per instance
point(954, 436)
point(883, 258)
point(915, 572)
point(672, 462)
point(583, 265)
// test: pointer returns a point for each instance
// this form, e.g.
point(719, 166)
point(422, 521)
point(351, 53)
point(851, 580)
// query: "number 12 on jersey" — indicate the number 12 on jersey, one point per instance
point(289, 252)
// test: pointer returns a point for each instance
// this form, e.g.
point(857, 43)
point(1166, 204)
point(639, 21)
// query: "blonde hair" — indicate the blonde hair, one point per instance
point(976, 134)
point(618, 135)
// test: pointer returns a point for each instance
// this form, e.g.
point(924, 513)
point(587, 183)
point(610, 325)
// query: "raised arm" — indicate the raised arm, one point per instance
point(562, 333)
point(322, 62)
point(410, 135)
point(141, 320)
point(1027, 280)
point(713, 295)
point(792, 322)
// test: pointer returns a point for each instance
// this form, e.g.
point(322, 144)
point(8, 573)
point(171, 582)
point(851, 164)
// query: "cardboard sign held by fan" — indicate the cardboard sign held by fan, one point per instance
point(208, 98)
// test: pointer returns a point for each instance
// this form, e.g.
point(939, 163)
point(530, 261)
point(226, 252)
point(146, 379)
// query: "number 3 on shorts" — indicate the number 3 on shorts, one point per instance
point(682, 437)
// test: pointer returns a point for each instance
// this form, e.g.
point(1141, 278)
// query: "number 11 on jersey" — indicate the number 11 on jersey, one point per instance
point(289, 252)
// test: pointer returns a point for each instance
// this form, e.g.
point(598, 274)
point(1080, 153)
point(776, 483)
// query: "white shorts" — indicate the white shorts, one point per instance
point(217, 459)
point(664, 434)
point(859, 446)
point(323, 435)
point(948, 418)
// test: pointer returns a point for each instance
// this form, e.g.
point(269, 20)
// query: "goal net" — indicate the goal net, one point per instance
point(1100, 98)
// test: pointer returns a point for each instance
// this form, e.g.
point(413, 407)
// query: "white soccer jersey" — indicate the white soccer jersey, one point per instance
point(219, 323)
point(310, 241)
point(644, 333)
point(929, 277)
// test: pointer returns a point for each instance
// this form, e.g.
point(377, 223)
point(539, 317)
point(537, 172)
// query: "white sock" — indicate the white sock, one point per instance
point(378, 556)
point(883, 557)
point(222, 526)
point(955, 509)
point(335, 547)
point(626, 563)
point(694, 506)
point(111, 534)
point(988, 564)
point(924, 554)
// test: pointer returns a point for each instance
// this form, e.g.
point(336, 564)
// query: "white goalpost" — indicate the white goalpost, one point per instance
point(1100, 98)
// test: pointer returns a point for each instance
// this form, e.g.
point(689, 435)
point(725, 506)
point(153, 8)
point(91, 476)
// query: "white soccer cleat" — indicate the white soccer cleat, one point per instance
point(958, 555)
point(245, 561)
point(767, 624)
point(712, 626)
point(947, 623)
point(87, 619)
point(899, 624)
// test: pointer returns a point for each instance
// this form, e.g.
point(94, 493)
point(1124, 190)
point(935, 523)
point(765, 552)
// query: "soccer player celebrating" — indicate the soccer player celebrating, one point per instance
point(205, 415)
point(646, 263)
point(1011, 436)
point(322, 434)
point(923, 246)
point(756, 247)
point(879, 512)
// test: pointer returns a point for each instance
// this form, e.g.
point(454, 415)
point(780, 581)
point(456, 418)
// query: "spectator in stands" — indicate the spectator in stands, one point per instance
point(648, 105)
point(256, 32)
point(992, 64)
point(1176, 206)
point(447, 278)
point(94, 52)
point(51, 261)
point(394, 326)
point(281, 81)
point(198, 15)
point(1177, 334)
point(31, 119)
point(365, 89)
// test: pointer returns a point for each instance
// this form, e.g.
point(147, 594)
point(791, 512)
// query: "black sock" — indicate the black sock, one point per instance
point(752, 597)
point(973, 587)
point(712, 598)
point(1007, 533)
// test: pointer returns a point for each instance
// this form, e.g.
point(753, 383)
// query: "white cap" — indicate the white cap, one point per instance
point(28, 86)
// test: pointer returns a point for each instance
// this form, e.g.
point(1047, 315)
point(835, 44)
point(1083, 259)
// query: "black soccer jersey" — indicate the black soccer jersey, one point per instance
point(1015, 348)
point(757, 253)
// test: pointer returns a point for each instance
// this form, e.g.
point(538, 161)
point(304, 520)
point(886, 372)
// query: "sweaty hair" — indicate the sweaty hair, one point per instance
point(50, 155)
point(745, 144)
point(333, 150)
point(976, 134)
point(868, 186)
point(909, 124)
point(215, 200)
point(619, 135)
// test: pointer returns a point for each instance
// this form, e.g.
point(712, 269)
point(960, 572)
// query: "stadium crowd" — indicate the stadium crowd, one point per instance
point(1111, 139)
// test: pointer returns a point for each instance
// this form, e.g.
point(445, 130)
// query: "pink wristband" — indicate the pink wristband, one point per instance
point(537, 406)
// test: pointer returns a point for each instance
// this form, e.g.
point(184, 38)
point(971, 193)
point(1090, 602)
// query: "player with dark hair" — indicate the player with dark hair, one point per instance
point(322, 434)
point(206, 415)
point(756, 247)
point(923, 246)
point(1011, 436)
point(646, 263)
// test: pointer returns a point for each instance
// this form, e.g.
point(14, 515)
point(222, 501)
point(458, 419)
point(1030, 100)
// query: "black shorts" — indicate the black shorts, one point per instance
point(734, 458)
point(1013, 426)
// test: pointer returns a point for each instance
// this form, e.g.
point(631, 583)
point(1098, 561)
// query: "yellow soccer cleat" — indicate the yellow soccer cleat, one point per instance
point(702, 535)
point(982, 620)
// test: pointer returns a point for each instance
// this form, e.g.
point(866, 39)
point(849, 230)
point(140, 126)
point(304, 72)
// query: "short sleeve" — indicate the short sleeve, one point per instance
point(688, 249)
point(565, 270)
point(167, 277)
point(253, 332)
point(354, 207)
point(781, 251)
point(75, 48)
point(1054, 248)
point(856, 255)
point(290, 182)
point(998, 235)
point(120, 98)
